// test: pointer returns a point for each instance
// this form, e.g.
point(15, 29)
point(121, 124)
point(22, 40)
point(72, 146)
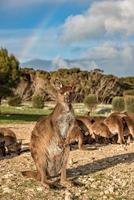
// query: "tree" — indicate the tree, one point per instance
point(9, 72)
point(91, 101)
point(129, 103)
point(118, 104)
point(38, 101)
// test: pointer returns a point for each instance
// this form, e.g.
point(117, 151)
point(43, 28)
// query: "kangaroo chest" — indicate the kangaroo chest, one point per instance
point(64, 121)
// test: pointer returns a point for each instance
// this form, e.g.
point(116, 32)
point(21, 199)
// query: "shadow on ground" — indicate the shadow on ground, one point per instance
point(101, 164)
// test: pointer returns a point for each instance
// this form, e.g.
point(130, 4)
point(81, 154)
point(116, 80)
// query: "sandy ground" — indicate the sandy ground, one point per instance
point(100, 172)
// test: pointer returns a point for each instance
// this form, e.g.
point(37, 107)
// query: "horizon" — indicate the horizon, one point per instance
point(101, 32)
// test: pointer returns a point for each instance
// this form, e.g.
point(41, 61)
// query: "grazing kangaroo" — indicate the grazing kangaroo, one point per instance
point(11, 143)
point(98, 128)
point(76, 135)
point(49, 146)
point(87, 121)
point(115, 125)
point(2, 145)
point(128, 122)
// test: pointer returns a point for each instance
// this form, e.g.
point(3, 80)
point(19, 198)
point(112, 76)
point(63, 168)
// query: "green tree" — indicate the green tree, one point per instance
point(14, 101)
point(38, 101)
point(118, 104)
point(129, 103)
point(9, 72)
point(91, 102)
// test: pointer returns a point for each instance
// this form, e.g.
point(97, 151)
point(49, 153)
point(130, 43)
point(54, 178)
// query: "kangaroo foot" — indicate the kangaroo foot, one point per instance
point(67, 183)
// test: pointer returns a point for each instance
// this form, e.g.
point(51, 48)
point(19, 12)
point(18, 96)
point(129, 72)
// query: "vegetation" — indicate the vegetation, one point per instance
point(118, 104)
point(129, 103)
point(9, 72)
point(14, 101)
point(91, 102)
point(128, 92)
point(38, 101)
point(28, 81)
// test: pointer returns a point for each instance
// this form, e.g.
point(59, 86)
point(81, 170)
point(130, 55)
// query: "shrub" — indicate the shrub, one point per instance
point(91, 101)
point(128, 92)
point(38, 101)
point(14, 101)
point(118, 104)
point(129, 103)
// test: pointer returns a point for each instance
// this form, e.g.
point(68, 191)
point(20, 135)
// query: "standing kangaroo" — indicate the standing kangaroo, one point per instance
point(48, 146)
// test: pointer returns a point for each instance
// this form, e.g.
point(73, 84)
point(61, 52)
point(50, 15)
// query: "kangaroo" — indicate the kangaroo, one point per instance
point(11, 143)
point(87, 121)
point(130, 125)
point(76, 135)
point(48, 145)
point(2, 145)
point(115, 125)
point(98, 128)
point(128, 122)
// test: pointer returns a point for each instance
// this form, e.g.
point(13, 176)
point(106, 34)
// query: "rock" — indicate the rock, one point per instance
point(6, 190)
point(68, 195)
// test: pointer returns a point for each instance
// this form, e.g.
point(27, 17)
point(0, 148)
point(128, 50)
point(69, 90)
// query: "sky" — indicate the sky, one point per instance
point(98, 31)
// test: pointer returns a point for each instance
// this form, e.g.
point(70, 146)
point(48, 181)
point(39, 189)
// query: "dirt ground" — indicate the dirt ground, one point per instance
point(99, 172)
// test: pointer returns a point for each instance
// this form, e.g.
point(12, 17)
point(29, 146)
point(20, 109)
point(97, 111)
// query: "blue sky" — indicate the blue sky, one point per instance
point(99, 31)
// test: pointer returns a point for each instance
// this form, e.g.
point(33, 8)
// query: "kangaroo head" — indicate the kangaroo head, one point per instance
point(2, 144)
point(15, 147)
point(63, 92)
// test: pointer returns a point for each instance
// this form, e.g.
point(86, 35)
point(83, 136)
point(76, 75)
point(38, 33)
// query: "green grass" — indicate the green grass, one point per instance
point(26, 114)
point(21, 114)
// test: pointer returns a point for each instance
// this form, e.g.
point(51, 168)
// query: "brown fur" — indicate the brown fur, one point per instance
point(2, 145)
point(49, 147)
point(115, 125)
point(87, 121)
point(98, 128)
point(11, 142)
point(76, 135)
point(128, 123)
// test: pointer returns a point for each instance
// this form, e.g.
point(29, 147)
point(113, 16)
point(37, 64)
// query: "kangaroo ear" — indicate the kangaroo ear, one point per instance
point(57, 84)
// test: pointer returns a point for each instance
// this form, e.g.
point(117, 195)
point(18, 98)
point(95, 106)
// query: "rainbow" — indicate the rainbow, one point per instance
point(31, 41)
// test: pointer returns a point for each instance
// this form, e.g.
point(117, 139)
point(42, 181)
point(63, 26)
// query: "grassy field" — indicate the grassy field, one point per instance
point(26, 114)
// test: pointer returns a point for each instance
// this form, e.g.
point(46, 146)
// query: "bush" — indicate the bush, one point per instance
point(38, 101)
point(128, 92)
point(118, 104)
point(91, 101)
point(14, 101)
point(129, 103)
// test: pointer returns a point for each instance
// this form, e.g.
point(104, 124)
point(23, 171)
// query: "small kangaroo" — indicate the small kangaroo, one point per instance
point(49, 146)
point(11, 143)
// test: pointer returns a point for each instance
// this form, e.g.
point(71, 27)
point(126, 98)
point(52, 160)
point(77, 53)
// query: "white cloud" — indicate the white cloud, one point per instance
point(103, 17)
point(59, 62)
point(109, 50)
point(113, 58)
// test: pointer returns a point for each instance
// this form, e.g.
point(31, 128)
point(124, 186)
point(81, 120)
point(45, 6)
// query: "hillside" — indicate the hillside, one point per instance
point(36, 82)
